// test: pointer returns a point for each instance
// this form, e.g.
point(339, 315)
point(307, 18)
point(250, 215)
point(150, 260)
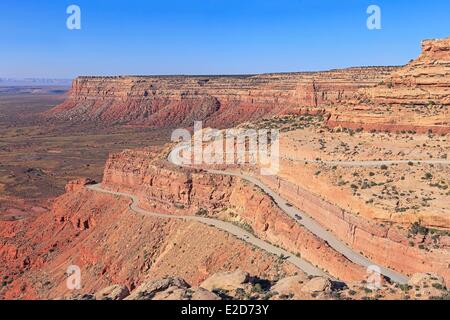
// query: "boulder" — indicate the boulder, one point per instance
point(226, 280)
point(78, 297)
point(168, 288)
point(173, 288)
point(115, 292)
point(319, 284)
point(290, 285)
point(201, 294)
point(78, 184)
point(174, 293)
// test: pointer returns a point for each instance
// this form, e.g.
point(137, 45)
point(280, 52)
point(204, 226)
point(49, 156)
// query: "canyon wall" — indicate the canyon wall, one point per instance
point(220, 101)
point(382, 242)
point(194, 190)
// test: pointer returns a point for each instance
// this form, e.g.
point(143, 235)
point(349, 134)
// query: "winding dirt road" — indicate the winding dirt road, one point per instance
point(309, 223)
point(224, 226)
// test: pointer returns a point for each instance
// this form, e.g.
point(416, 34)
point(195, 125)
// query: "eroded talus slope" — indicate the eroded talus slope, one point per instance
point(218, 100)
point(112, 244)
point(415, 97)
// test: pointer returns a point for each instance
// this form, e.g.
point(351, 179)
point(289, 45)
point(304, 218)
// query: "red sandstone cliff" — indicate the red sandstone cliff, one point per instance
point(220, 101)
point(415, 97)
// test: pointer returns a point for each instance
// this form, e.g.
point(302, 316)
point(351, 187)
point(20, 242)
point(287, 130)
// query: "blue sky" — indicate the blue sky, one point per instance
point(210, 36)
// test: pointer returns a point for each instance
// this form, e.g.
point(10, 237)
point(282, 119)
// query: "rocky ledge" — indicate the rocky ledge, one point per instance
point(414, 98)
point(239, 285)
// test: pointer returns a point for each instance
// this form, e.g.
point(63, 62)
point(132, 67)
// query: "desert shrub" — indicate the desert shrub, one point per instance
point(179, 206)
point(258, 288)
point(417, 228)
point(201, 212)
point(404, 287)
point(428, 176)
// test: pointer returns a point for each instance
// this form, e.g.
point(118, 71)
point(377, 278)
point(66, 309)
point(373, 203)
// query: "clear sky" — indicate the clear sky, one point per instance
point(210, 36)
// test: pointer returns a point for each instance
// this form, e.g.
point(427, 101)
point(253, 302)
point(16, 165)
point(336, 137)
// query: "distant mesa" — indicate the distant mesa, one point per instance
point(24, 82)
point(220, 101)
point(371, 98)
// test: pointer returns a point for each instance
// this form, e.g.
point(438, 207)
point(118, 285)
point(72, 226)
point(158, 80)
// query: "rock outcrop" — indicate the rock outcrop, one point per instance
point(226, 281)
point(291, 286)
point(79, 184)
point(422, 82)
point(415, 97)
point(172, 288)
point(299, 287)
point(318, 284)
point(116, 292)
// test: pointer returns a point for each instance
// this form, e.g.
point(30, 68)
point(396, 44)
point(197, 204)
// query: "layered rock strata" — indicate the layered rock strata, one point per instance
point(411, 98)
point(220, 101)
point(423, 81)
point(415, 97)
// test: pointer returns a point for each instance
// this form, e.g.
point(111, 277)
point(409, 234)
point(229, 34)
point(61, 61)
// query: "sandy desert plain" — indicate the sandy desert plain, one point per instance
point(364, 180)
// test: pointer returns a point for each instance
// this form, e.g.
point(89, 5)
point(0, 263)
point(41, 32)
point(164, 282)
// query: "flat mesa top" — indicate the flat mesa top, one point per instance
point(350, 69)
